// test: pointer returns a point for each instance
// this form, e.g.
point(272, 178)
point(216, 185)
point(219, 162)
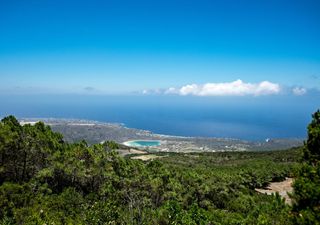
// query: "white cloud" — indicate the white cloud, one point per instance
point(299, 91)
point(235, 88)
point(153, 91)
point(191, 89)
point(171, 90)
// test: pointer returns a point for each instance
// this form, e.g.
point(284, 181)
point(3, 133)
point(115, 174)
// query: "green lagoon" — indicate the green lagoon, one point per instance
point(142, 143)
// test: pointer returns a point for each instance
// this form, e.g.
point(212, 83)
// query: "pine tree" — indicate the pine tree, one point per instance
point(306, 196)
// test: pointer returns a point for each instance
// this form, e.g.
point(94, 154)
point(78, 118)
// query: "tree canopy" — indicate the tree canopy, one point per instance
point(45, 180)
point(306, 208)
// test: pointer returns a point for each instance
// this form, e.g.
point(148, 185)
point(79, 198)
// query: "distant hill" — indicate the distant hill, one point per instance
point(45, 180)
point(95, 132)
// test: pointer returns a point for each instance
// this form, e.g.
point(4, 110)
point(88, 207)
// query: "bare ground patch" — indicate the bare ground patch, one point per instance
point(124, 152)
point(147, 157)
point(283, 188)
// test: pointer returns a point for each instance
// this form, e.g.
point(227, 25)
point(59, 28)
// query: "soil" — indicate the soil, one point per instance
point(283, 188)
point(146, 157)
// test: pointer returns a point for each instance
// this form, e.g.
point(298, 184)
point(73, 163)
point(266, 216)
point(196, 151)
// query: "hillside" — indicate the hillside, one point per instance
point(95, 132)
point(45, 180)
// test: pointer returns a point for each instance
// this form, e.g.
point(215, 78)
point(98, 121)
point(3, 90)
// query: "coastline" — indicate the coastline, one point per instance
point(96, 132)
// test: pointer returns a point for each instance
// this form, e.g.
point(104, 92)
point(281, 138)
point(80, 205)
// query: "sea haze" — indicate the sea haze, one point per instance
point(249, 118)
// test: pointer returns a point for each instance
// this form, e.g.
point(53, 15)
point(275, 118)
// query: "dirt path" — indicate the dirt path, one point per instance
point(283, 188)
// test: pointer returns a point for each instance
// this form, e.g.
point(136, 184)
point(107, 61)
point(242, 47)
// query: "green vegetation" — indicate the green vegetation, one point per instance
point(44, 180)
point(306, 209)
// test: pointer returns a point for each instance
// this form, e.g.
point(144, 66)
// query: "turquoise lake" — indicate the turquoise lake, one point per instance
point(142, 143)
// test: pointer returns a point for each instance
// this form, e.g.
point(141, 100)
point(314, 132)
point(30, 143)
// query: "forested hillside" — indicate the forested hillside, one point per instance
point(44, 180)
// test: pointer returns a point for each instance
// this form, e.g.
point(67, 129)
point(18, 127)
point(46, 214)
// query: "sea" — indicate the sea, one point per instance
point(248, 118)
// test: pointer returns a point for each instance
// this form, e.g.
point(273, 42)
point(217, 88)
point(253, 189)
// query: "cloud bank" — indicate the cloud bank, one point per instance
point(299, 91)
point(235, 88)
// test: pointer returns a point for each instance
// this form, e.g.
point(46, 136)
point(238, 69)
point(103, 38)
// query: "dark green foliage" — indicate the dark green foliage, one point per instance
point(46, 181)
point(312, 146)
point(112, 145)
point(25, 150)
point(306, 209)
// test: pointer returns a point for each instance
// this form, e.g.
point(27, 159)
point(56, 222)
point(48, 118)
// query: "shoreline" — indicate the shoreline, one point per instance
point(75, 130)
point(127, 143)
point(83, 122)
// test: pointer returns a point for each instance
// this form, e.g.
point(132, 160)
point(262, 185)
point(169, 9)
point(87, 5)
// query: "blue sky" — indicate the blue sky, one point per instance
point(116, 47)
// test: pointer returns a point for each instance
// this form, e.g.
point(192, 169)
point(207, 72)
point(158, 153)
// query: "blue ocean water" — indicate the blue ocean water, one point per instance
point(250, 118)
